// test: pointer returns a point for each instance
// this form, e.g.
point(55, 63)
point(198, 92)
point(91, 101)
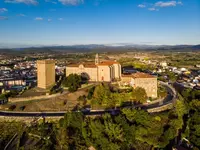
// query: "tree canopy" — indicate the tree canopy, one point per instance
point(102, 95)
point(73, 82)
point(139, 95)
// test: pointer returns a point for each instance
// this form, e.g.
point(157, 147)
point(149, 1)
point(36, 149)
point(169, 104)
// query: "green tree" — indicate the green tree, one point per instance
point(139, 95)
point(195, 105)
point(172, 76)
point(181, 107)
point(73, 82)
point(113, 130)
point(186, 93)
point(69, 134)
point(101, 94)
point(194, 126)
point(90, 93)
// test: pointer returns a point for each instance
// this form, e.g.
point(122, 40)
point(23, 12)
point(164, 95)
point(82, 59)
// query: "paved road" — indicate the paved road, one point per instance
point(171, 97)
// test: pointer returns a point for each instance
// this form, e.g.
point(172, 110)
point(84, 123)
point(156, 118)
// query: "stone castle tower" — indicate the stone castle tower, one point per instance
point(45, 73)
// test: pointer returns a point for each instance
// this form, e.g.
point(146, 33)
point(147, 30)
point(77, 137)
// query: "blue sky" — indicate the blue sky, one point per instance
point(69, 22)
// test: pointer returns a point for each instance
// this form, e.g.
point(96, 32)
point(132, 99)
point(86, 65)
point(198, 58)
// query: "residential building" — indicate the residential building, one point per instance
point(163, 64)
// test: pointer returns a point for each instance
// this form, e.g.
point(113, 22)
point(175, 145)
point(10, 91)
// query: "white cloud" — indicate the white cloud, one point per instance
point(168, 4)
point(21, 15)
point(141, 6)
point(2, 10)
point(3, 18)
point(39, 18)
point(60, 19)
point(153, 9)
point(50, 1)
point(180, 3)
point(71, 2)
point(28, 2)
point(49, 20)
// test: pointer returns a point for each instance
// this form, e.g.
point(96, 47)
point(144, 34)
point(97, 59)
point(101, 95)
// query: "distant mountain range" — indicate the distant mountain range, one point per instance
point(108, 47)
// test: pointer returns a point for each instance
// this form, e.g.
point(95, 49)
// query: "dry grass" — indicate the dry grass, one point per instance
point(61, 103)
point(33, 92)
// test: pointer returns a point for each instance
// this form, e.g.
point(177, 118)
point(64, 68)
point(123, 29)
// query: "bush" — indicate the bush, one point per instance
point(82, 98)
point(64, 102)
point(12, 107)
point(90, 93)
point(22, 108)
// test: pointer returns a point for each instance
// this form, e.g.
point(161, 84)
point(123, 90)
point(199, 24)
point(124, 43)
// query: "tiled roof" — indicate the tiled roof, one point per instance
point(139, 75)
point(127, 75)
point(73, 65)
point(107, 63)
point(86, 65)
point(92, 65)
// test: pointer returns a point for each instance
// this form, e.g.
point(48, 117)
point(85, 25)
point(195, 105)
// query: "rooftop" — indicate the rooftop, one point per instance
point(107, 63)
point(138, 75)
point(86, 65)
point(92, 65)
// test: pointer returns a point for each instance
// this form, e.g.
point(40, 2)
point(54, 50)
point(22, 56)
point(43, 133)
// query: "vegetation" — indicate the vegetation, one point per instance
point(192, 101)
point(8, 129)
point(2, 96)
point(73, 82)
point(168, 76)
point(162, 92)
point(9, 94)
point(136, 64)
point(184, 59)
point(131, 129)
point(139, 95)
point(12, 107)
point(102, 95)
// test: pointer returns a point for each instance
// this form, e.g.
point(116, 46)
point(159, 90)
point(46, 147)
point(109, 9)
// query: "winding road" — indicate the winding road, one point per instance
point(170, 98)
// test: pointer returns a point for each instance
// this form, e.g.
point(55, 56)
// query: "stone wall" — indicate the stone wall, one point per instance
point(91, 72)
point(149, 84)
point(13, 99)
point(161, 108)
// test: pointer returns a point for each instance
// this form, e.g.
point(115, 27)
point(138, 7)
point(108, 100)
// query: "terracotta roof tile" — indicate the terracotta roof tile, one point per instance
point(92, 65)
point(107, 63)
point(86, 65)
point(73, 65)
point(139, 75)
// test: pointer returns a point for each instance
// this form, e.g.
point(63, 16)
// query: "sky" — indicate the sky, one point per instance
point(71, 22)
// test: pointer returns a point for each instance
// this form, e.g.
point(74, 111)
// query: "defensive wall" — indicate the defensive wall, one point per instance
point(14, 99)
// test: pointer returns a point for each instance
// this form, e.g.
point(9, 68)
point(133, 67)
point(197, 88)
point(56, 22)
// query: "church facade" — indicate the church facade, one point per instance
point(98, 71)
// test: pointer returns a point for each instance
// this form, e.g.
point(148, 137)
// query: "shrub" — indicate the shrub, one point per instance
point(12, 107)
point(90, 93)
point(82, 98)
point(22, 108)
point(64, 102)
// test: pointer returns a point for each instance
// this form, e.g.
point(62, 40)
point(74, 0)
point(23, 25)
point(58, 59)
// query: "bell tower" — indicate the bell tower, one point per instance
point(96, 59)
